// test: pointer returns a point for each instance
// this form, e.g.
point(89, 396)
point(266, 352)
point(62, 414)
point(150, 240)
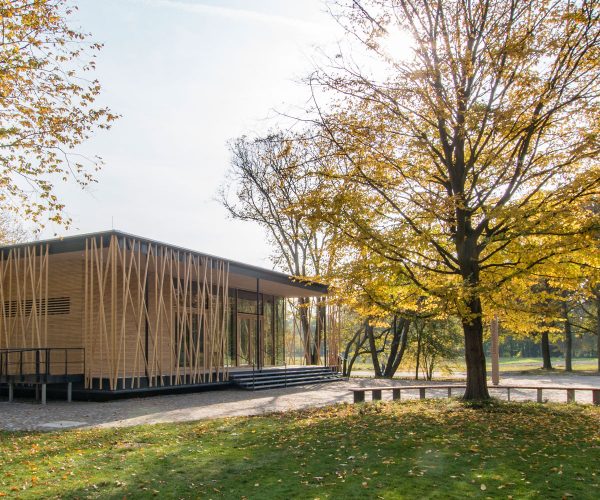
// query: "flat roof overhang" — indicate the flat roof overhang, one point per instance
point(243, 276)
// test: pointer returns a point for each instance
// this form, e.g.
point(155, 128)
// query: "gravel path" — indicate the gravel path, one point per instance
point(28, 415)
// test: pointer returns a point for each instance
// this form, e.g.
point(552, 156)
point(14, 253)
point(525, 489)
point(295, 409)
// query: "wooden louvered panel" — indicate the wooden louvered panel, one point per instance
point(54, 305)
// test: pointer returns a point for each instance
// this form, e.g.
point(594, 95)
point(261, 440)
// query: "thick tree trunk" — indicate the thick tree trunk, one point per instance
point(305, 326)
point(547, 362)
point(598, 324)
point(568, 347)
point(568, 339)
point(474, 355)
point(373, 349)
point(398, 346)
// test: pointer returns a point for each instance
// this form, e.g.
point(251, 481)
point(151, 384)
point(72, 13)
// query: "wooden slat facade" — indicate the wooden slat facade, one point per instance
point(146, 314)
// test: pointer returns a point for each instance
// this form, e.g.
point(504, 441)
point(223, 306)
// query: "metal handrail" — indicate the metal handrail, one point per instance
point(42, 361)
point(253, 368)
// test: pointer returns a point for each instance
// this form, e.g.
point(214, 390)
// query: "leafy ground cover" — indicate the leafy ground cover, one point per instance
point(426, 449)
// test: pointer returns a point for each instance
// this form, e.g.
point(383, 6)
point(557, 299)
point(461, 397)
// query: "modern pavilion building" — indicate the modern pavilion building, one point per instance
point(114, 313)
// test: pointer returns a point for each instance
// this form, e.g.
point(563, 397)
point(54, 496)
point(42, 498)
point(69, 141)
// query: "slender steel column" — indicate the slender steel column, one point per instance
point(325, 316)
point(258, 332)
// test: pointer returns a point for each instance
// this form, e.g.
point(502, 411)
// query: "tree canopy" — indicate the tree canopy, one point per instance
point(466, 160)
point(46, 106)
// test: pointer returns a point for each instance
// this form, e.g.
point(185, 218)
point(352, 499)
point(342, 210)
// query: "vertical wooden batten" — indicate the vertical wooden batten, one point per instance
point(153, 314)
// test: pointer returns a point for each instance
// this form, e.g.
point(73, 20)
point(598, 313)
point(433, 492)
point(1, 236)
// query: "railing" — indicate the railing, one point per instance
point(255, 368)
point(40, 364)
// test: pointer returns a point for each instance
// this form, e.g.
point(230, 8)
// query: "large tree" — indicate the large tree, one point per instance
point(461, 154)
point(265, 182)
point(46, 106)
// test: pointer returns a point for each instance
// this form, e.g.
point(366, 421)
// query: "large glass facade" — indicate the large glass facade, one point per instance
point(255, 332)
point(279, 330)
point(255, 329)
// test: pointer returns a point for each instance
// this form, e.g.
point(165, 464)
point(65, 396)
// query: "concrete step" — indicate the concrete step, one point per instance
point(279, 378)
point(279, 374)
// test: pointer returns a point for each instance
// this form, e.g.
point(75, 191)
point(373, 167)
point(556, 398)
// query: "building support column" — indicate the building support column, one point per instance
point(257, 354)
point(325, 318)
point(70, 392)
point(11, 392)
point(43, 394)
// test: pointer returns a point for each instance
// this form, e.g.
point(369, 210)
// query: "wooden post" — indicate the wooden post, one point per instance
point(449, 392)
point(508, 393)
point(422, 393)
point(495, 352)
point(596, 396)
point(539, 395)
point(359, 396)
point(376, 394)
point(396, 396)
point(570, 395)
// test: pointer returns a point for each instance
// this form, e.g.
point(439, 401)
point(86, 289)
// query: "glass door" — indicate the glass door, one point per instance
point(247, 334)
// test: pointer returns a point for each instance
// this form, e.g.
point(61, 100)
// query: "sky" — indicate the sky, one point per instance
point(187, 76)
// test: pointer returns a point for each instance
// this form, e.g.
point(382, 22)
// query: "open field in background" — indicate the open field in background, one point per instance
point(432, 448)
point(447, 368)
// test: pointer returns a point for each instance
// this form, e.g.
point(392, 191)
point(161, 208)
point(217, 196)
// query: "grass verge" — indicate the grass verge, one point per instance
point(425, 449)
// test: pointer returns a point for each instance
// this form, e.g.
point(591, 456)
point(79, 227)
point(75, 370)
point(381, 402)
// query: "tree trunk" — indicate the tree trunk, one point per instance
point(418, 354)
point(373, 349)
point(319, 330)
point(474, 356)
point(305, 326)
point(398, 346)
point(568, 343)
point(347, 366)
point(598, 324)
point(430, 367)
point(547, 362)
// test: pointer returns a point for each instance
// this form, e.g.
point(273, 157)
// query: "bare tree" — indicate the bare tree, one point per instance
point(266, 180)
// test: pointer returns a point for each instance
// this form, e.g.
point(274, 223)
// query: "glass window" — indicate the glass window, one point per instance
point(246, 302)
point(269, 354)
point(279, 306)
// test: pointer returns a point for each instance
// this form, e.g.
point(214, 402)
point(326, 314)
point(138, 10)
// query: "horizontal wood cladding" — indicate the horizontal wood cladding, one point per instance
point(142, 318)
point(41, 302)
point(49, 306)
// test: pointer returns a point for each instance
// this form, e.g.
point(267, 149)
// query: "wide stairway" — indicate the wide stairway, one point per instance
point(280, 377)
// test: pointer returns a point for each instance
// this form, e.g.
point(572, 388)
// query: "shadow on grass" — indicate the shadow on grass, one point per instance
point(429, 449)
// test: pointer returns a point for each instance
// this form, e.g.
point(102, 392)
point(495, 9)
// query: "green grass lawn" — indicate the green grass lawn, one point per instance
point(524, 364)
point(424, 449)
point(580, 365)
